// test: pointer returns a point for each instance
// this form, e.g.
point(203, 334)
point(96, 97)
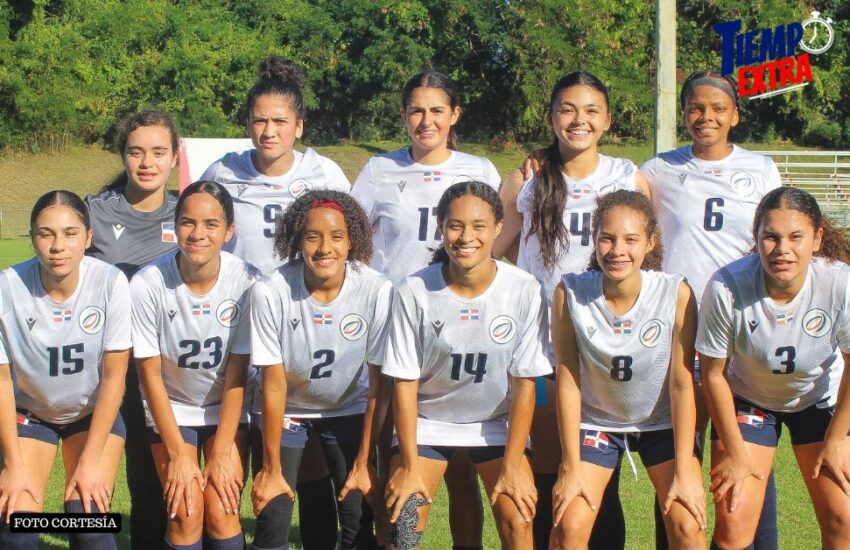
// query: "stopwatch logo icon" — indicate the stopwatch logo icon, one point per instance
point(818, 34)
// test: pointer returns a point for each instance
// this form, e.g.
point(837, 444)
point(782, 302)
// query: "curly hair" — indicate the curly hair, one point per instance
point(637, 202)
point(834, 244)
point(550, 190)
point(278, 76)
point(290, 227)
point(465, 188)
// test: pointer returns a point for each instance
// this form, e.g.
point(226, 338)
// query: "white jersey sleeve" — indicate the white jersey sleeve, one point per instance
point(265, 326)
point(144, 323)
point(117, 334)
point(376, 344)
point(403, 355)
point(715, 331)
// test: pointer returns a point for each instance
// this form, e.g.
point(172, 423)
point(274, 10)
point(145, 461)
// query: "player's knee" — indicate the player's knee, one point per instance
point(733, 533)
point(564, 534)
point(86, 541)
point(514, 528)
point(838, 524)
point(217, 522)
point(273, 525)
point(185, 527)
point(685, 532)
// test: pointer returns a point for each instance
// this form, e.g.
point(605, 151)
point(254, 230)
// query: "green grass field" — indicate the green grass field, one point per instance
point(86, 169)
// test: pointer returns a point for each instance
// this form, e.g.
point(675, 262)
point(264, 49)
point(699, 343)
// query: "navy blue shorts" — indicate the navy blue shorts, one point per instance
point(763, 426)
point(478, 455)
point(334, 430)
point(606, 448)
point(31, 427)
point(193, 435)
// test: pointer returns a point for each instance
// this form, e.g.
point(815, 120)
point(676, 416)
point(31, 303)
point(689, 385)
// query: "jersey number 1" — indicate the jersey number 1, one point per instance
point(469, 365)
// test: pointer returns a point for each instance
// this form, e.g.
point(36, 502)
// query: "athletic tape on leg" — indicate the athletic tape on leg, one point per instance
point(403, 533)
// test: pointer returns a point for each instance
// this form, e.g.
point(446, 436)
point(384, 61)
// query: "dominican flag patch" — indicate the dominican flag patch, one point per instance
point(784, 318)
point(751, 416)
point(22, 420)
point(597, 440)
point(272, 187)
point(714, 172)
point(431, 176)
point(201, 309)
point(622, 327)
point(60, 315)
point(580, 191)
point(467, 314)
point(323, 319)
point(168, 234)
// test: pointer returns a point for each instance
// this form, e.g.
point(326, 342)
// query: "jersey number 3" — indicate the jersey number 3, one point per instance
point(211, 345)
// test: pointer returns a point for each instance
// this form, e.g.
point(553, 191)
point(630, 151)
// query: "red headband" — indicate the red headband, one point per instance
point(328, 204)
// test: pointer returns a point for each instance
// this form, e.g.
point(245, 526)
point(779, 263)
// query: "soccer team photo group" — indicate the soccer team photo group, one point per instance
point(341, 353)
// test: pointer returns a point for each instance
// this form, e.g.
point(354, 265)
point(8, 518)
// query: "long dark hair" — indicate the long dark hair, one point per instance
point(278, 76)
point(465, 188)
point(550, 191)
point(149, 117)
point(431, 78)
point(63, 198)
point(639, 203)
point(211, 188)
point(834, 244)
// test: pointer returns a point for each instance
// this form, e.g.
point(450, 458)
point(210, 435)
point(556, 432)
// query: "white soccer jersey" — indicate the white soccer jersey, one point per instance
point(193, 334)
point(260, 200)
point(784, 357)
point(401, 196)
point(56, 349)
point(324, 348)
point(464, 352)
point(624, 359)
point(611, 174)
point(706, 208)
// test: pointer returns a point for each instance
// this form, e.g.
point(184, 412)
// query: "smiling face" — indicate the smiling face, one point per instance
point(273, 127)
point(469, 229)
point(787, 240)
point(622, 243)
point(202, 229)
point(324, 246)
point(148, 158)
point(60, 239)
point(428, 118)
point(579, 116)
point(709, 116)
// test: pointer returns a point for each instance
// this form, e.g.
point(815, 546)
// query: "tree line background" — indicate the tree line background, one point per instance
point(70, 69)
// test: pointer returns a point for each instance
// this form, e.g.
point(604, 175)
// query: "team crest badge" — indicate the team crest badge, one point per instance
point(742, 183)
point(650, 333)
point(502, 329)
point(298, 188)
point(816, 323)
point(461, 179)
point(227, 313)
point(353, 327)
point(92, 320)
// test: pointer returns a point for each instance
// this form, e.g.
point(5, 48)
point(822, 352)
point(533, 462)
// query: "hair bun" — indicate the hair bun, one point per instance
point(274, 67)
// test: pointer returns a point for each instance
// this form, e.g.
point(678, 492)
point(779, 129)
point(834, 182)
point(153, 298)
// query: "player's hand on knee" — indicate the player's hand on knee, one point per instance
point(568, 487)
point(363, 478)
point(268, 484)
point(13, 482)
point(728, 477)
point(222, 474)
point(835, 457)
point(89, 481)
point(517, 484)
point(183, 473)
point(403, 483)
point(687, 490)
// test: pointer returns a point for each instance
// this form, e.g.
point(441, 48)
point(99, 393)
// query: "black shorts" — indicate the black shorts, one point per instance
point(333, 430)
point(478, 455)
point(197, 436)
point(32, 427)
point(606, 448)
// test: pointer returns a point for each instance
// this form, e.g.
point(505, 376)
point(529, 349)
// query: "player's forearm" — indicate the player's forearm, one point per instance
point(568, 408)
point(683, 412)
point(274, 400)
point(370, 416)
point(231, 402)
point(159, 404)
point(840, 423)
point(721, 405)
point(405, 409)
point(109, 398)
point(8, 424)
point(519, 422)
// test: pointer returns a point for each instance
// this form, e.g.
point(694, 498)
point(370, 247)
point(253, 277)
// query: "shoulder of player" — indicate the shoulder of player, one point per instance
point(237, 267)
point(519, 280)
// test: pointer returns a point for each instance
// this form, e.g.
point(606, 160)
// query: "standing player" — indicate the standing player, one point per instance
point(550, 214)
point(774, 339)
point(64, 341)
point(313, 321)
point(191, 337)
point(623, 335)
point(466, 343)
point(133, 223)
point(400, 191)
point(705, 195)
point(265, 181)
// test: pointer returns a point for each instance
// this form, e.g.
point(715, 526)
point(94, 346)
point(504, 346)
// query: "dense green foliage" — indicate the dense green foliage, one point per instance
point(69, 69)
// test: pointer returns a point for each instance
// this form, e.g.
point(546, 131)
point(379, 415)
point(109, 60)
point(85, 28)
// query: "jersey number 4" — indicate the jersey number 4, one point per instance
point(211, 345)
point(470, 365)
point(74, 364)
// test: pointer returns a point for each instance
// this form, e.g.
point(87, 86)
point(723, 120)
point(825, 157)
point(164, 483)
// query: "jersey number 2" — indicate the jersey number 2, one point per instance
point(212, 345)
point(327, 357)
point(75, 364)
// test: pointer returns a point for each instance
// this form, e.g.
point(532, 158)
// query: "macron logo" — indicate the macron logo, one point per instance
point(118, 230)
